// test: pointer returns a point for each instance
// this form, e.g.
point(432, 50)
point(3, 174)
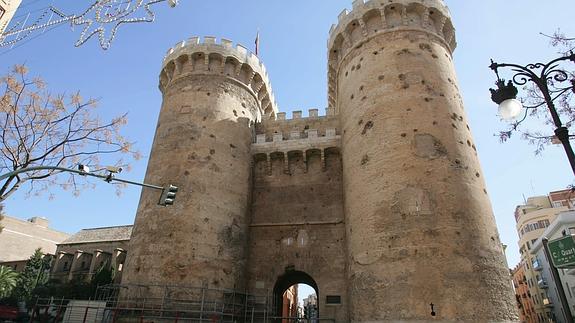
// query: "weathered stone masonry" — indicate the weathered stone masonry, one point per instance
point(380, 201)
point(419, 223)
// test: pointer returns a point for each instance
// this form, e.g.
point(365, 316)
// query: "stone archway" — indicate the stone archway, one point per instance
point(285, 281)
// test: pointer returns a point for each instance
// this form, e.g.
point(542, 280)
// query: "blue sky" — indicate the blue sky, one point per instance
point(293, 47)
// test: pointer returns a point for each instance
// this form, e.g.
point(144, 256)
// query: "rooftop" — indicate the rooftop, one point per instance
point(118, 233)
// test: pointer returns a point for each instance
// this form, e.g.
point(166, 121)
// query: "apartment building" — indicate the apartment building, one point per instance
point(532, 219)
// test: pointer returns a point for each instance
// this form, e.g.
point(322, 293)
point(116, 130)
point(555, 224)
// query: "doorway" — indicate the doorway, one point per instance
point(296, 297)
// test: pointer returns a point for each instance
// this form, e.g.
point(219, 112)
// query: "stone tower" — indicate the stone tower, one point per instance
point(212, 96)
point(379, 205)
point(420, 229)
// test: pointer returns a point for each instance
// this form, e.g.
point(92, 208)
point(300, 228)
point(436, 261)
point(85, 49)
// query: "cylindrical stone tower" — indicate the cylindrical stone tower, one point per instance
point(213, 93)
point(422, 239)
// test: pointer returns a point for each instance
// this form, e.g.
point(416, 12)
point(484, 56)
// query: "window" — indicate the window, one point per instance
point(333, 299)
point(557, 204)
point(65, 265)
point(541, 224)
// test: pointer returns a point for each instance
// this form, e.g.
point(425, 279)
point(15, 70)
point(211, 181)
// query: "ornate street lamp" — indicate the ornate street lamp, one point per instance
point(552, 82)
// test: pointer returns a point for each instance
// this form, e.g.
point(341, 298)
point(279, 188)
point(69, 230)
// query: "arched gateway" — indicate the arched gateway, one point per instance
point(284, 282)
point(381, 200)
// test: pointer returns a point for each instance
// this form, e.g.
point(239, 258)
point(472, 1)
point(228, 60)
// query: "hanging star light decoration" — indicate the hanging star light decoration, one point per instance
point(97, 19)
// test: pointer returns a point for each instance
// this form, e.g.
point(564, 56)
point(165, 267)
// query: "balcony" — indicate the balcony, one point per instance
point(542, 284)
point(547, 303)
point(537, 266)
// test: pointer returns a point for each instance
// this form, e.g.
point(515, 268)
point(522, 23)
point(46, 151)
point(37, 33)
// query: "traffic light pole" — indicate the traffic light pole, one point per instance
point(108, 178)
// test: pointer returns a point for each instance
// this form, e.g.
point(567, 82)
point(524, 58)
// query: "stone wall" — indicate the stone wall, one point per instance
point(297, 223)
point(212, 96)
point(420, 229)
point(380, 204)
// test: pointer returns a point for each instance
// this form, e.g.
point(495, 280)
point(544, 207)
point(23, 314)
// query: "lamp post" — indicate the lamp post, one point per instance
point(552, 82)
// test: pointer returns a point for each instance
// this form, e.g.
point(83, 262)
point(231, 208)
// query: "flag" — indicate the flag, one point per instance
point(257, 43)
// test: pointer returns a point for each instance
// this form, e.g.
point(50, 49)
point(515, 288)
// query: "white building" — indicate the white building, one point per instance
point(563, 225)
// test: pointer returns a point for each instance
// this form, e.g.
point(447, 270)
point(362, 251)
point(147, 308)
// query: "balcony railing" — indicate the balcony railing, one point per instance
point(537, 266)
point(542, 283)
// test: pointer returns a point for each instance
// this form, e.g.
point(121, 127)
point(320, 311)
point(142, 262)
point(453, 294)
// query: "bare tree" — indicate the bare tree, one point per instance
point(40, 129)
point(561, 89)
point(561, 41)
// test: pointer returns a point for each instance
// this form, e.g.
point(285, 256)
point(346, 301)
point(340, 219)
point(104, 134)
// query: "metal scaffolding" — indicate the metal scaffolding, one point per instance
point(142, 304)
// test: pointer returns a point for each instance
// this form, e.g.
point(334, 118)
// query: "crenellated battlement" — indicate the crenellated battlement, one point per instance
point(298, 127)
point(374, 17)
point(295, 146)
point(297, 160)
point(297, 115)
point(208, 56)
point(279, 138)
point(299, 134)
point(379, 202)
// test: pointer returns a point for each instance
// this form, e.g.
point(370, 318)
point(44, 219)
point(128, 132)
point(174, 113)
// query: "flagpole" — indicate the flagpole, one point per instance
point(257, 43)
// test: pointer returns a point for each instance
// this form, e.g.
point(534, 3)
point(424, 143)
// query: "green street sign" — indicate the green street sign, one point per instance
point(562, 252)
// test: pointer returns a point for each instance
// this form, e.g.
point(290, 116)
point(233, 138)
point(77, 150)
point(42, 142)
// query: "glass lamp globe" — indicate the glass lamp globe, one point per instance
point(510, 109)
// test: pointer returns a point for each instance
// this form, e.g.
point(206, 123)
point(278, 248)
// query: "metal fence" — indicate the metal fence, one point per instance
point(162, 304)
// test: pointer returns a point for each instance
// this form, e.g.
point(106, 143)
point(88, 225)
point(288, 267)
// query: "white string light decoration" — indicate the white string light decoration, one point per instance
point(97, 19)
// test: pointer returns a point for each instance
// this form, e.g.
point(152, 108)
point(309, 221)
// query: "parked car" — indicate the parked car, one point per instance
point(8, 313)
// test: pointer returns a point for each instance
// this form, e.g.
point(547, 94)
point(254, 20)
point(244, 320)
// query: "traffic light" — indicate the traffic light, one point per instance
point(168, 195)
